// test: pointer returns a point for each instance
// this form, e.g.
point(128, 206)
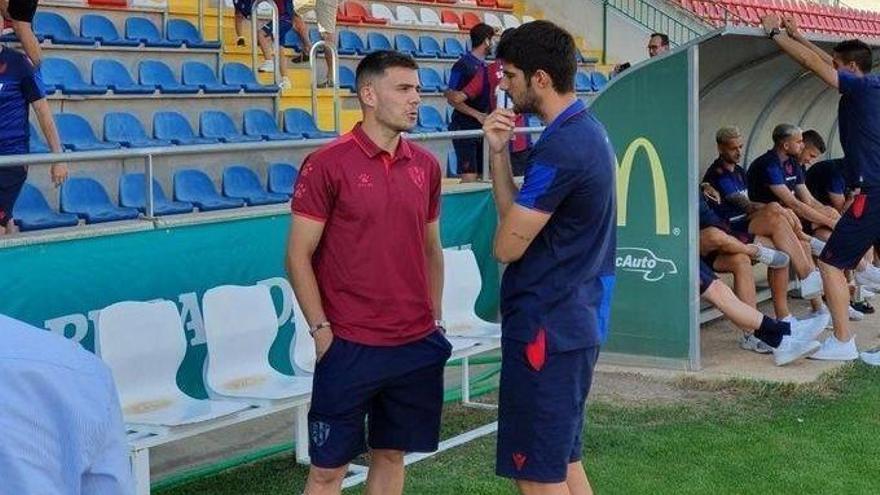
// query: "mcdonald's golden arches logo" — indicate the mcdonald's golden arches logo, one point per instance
point(661, 195)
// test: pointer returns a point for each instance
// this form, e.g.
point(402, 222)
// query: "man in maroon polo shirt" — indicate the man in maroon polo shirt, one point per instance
point(366, 264)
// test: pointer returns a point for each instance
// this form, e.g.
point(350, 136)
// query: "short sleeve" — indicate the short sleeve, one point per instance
point(32, 83)
point(435, 191)
point(774, 175)
point(313, 194)
point(849, 83)
point(458, 76)
point(545, 186)
point(799, 172)
point(727, 186)
point(837, 184)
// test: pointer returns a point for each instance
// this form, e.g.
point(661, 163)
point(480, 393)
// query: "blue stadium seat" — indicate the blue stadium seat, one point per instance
point(87, 199)
point(156, 73)
point(582, 82)
point(193, 186)
point(292, 40)
point(32, 212)
point(101, 29)
point(451, 163)
point(533, 120)
point(62, 75)
point(350, 43)
point(53, 27)
point(142, 30)
point(76, 134)
point(261, 124)
point(298, 121)
point(314, 35)
point(452, 48)
point(598, 81)
point(37, 144)
point(236, 74)
point(132, 194)
point(125, 129)
point(431, 118)
point(405, 44)
point(282, 177)
point(215, 124)
point(430, 80)
point(110, 73)
point(429, 47)
point(199, 74)
point(171, 126)
point(377, 41)
point(242, 182)
point(347, 78)
point(182, 30)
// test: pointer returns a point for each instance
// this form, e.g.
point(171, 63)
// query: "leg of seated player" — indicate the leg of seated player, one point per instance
point(774, 225)
point(739, 312)
point(740, 266)
point(577, 481)
point(713, 239)
point(239, 25)
point(386, 472)
point(323, 481)
point(778, 280)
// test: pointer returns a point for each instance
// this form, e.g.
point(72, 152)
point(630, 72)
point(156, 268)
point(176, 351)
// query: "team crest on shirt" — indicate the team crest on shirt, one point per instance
point(519, 460)
point(365, 180)
point(417, 175)
point(320, 432)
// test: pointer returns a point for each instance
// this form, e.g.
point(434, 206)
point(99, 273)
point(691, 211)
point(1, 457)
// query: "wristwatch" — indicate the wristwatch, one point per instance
point(441, 325)
point(773, 33)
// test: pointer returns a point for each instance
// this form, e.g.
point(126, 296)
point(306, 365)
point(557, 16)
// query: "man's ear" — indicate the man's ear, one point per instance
point(367, 94)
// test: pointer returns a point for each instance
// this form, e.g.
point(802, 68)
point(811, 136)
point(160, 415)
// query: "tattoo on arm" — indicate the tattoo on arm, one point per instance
point(740, 201)
point(521, 237)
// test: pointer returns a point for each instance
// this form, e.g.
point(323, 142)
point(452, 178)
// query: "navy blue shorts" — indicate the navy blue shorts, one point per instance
point(11, 181)
point(740, 229)
point(856, 231)
point(541, 409)
point(707, 276)
point(400, 390)
point(243, 7)
point(284, 25)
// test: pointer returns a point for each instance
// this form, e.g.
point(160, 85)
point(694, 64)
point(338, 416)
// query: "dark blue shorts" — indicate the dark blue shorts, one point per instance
point(541, 409)
point(11, 181)
point(468, 151)
point(856, 231)
point(284, 25)
point(707, 276)
point(400, 390)
point(243, 7)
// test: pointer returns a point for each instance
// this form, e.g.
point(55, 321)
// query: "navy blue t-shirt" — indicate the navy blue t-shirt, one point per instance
point(768, 170)
point(564, 280)
point(826, 178)
point(859, 124)
point(470, 75)
point(708, 217)
point(728, 183)
point(19, 87)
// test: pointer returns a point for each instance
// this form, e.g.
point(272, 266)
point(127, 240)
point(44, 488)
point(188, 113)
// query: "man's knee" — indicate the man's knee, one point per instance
point(327, 476)
point(712, 236)
point(385, 456)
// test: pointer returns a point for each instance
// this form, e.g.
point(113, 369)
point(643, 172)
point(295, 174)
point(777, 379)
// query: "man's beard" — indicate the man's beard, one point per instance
point(529, 104)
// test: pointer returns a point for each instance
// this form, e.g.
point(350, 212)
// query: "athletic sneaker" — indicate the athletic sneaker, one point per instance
point(792, 349)
point(835, 350)
point(749, 342)
point(239, 41)
point(267, 66)
point(872, 358)
point(854, 314)
point(811, 286)
point(863, 279)
point(771, 257)
point(866, 293)
point(816, 246)
point(285, 83)
point(870, 274)
point(809, 328)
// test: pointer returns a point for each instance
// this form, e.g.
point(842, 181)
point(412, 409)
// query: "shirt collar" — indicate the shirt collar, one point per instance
point(575, 108)
point(372, 150)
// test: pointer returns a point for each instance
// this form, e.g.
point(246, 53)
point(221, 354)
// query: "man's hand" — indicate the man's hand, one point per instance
point(323, 340)
point(498, 127)
point(770, 22)
point(710, 192)
point(791, 27)
point(58, 173)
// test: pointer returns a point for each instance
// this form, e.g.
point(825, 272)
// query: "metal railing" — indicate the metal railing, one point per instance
point(313, 80)
point(652, 18)
point(276, 43)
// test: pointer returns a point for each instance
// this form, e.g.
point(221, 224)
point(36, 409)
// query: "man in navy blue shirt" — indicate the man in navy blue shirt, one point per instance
point(848, 71)
point(469, 94)
point(20, 86)
point(826, 183)
point(557, 234)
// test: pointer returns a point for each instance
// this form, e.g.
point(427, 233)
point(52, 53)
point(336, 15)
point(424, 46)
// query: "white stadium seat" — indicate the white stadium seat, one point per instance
point(303, 344)
point(429, 17)
point(510, 21)
point(527, 18)
point(461, 286)
point(381, 11)
point(493, 20)
point(406, 15)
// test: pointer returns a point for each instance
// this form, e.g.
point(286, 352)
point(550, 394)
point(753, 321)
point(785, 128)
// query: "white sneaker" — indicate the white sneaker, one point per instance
point(872, 358)
point(792, 349)
point(285, 83)
point(811, 286)
point(771, 257)
point(749, 342)
point(866, 293)
point(865, 281)
point(809, 328)
point(855, 315)
point(816, 246)
point(835, 350)
point(267, 66)
point(871, 274)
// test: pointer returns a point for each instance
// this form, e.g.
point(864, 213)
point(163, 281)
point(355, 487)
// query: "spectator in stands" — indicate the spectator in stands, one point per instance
point(20, 15)
point(848, 71)
point(61, 422)
point(470, 97)
point(521, 143)
point(366, 265)
point(325, 11)
point(287, 19)
point(557, 230)
point(20, 86)
point(658, 44)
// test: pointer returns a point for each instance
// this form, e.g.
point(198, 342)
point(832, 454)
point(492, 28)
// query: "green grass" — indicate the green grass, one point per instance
point(738, 438)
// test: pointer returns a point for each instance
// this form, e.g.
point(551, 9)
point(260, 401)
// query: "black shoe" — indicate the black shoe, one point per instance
point(239, 41)
point(300, 58)
point(863, 306)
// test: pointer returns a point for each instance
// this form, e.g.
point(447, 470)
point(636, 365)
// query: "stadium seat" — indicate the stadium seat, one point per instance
point(429, 47)
point(493, 20)
point(110, 73)
point(261, 124)
point(511, 21)
point(76, 134)
point(144, 345)
point(303, 344)
point(350, 43)
point(377, 41)
point(144, 31)
point(406, 15)
point(156, 73)
point(430, 118)
point(343, 18)
point(241, 326)
point(199, 74)
point(451, 163)
point(282, 177)
point(61, 74)
point(87, 198)
point(405, 44)
point(461, 287)
point(429, 17)
point(172, 126)
point(101, 29)
point(298, 121)
point(193, 186)
point(355, 10)
point(430, 80)
point(32, 212)
point(487, 4)
point(242, 182)
point(53, 27)
point(215, 124)
point(504, 4)
point(36, 143)
point(527, 18)
point(132, 194)
point(450, 18)
point(469, 20)
point(109, 3)
point(292, 40)
point(534, 121)
point(452, 48)
point(598, 81)
point(314, 35)
point(237, 74)
point(582, 83)
point(125, 129)
point(381, 11)
point(182, 30)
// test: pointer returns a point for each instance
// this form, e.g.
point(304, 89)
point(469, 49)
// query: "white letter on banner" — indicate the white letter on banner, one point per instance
point(60, 324)
point(286, 297)
point(191, 316)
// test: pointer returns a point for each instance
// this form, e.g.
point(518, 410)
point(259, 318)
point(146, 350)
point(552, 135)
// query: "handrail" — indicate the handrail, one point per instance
point(313, 80)
point(276, 57)
point(220, 5)
point(654, 19)
point(201, 10)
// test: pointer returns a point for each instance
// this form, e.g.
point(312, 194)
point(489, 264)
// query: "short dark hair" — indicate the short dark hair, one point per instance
point(542, 45)
point(856, 51)
point(814, 139)
point(480, 33)
point(377, 62)
point(664, 38)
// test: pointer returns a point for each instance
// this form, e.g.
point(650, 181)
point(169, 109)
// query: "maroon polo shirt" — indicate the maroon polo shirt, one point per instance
point(370, 264)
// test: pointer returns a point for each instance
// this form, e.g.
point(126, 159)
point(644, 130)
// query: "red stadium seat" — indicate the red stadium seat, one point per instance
point(355, 10)
point(109, 3)
point(469, 20)
point(450, 17)
point(505, 4)
point(343, 18)
point(486, 3)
